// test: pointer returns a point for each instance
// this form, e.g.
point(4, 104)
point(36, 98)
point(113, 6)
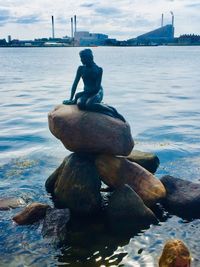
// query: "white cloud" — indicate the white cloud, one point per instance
point(120, 19)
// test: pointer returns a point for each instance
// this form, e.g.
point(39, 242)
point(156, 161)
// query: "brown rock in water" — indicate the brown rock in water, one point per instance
point(147, 160)
point(183, 197)
point(127, 212)
point(11, 203)
point(32, 213)
point(76, 184)
point(117, 171)
point(85, 131)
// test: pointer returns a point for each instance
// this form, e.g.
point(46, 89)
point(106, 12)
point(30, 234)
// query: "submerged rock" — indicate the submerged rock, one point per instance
point(54, 224)
point(32, 213)
point(147, 160)
point(127, 212)
point(76, 184)
point(85, 131)
point(117, 171)
point(183, 197)
point(11, 203)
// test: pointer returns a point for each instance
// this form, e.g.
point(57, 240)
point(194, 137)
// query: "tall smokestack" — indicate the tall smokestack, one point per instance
point(172, 18)
point(162, 19)
point(52, 19)
point(72, 28)
point(75, 24)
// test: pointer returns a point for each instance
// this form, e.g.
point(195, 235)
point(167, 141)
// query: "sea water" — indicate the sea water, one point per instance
point(155, 88)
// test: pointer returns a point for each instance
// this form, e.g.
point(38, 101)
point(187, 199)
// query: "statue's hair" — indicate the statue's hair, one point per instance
point(87, 53)
point(172, 250)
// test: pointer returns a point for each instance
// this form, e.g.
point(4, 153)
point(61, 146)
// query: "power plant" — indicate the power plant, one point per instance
point(164, 35)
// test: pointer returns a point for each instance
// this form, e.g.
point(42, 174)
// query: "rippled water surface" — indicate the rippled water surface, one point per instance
point(155, 88)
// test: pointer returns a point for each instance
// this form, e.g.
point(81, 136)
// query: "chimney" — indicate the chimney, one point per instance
point(172, 18)
point(162, 20)
point(75, 24)
point(72, 30)
point(53, 35)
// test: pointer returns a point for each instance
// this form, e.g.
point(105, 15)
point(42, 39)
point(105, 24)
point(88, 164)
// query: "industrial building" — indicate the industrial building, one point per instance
point(164, 34)
point(161, 35)
point(84, 38)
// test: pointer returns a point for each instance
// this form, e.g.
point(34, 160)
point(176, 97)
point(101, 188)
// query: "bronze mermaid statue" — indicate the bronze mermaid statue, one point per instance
point(92, 95)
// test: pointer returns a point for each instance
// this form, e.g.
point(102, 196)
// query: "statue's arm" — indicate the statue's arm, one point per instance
point(76, 81)
point(99, 79)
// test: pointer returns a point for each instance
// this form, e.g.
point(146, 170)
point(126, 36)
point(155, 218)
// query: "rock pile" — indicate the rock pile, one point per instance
point(102, 155)
point(101, 144)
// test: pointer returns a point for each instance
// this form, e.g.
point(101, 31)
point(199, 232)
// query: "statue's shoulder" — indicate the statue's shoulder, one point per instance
point(80, 69)
point(100, 69)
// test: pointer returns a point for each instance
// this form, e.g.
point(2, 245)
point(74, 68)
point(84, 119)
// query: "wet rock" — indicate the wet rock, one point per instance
point(50, 182)
point(183, 197)
point(11, 203)
point(117, 171)
point(54, 224)
point(149, 161)
point(76, 184)
point(85, 230)
point(32, 213)
point(85, 131)
point(127, 212)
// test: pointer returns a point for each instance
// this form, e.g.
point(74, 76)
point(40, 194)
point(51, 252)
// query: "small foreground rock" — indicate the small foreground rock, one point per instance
point(32, 213)
point(183, 197)
point(11, 203)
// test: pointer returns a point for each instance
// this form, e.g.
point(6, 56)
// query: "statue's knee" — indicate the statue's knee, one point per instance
point(80, 104)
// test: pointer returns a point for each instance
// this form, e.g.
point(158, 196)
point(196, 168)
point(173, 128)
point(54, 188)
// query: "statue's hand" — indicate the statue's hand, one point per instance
point(68, 102)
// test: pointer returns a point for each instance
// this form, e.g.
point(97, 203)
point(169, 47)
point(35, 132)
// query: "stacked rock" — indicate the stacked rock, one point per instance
point(102, 147)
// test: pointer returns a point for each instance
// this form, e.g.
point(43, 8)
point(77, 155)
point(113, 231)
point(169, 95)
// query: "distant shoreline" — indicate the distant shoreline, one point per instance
point(53, 46)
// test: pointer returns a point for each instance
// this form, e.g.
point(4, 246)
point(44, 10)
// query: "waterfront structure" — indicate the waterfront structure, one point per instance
point(163, 34)
point(3, 42)
point(9, 39)
point(192, 39)
point(85, 38)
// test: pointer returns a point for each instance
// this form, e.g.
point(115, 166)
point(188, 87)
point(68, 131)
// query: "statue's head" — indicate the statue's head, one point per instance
point(175, 254)
point(86, 56)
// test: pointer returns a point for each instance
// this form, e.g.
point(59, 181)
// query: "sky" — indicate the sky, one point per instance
point(121, 19)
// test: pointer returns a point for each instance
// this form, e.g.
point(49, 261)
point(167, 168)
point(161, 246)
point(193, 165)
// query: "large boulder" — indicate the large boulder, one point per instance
point(147, 160)
point(127, 212)
point(76, 185)
point(117, 171)
point(85, 131)
point(183, 197)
